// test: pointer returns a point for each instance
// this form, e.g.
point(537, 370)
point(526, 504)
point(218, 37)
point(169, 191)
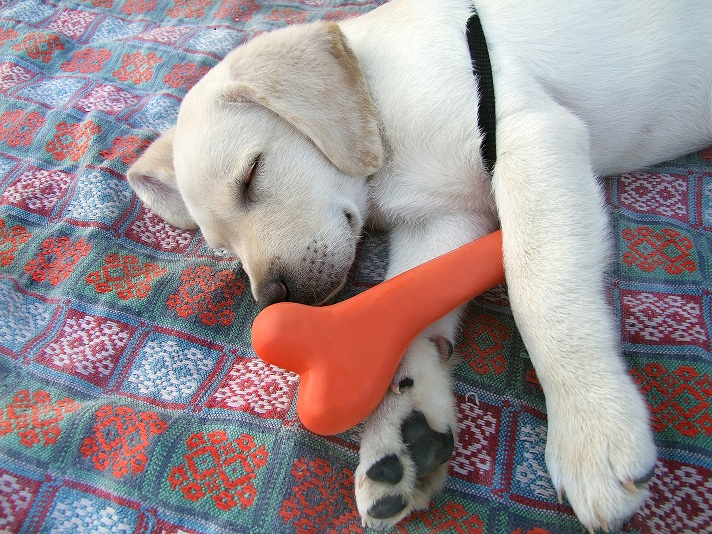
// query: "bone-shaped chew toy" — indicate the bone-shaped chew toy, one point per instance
point(347, 353)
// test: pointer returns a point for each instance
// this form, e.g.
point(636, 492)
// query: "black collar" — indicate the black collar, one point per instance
point(483, 70)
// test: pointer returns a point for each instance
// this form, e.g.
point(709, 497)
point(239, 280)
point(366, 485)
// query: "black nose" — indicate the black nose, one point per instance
point(275, 291)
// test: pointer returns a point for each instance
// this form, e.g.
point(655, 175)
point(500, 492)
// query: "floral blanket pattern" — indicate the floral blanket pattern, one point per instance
point(130, 397)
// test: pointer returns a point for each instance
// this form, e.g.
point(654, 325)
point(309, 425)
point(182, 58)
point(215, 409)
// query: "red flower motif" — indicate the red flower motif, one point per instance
point(121, 437)
point(35, 417)
point(185, 75)
point(667, 249)
point(238, 10)
point(221, 468)
point(138, 6)
point(188, 8)
point(678, 398)
point(72, 140)
point(40, 45)
point(7, 35)
point(321, 498)
point(125, 276)
point(211, 295)
point(287, 15)
point(18, 127)
point(11, 239)
point(137, 67)
point(127, 148)
point(449, 517)
point(102, 3)
point(483, 344)
point(57, 259)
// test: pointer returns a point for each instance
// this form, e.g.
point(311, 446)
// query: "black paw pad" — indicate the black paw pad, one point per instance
point(387, 507)
point(405, 383)
point(388, 469)
point(427, 448)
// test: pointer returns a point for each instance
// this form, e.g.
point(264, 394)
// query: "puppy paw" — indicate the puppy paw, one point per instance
point(406, 444)
point(601, 457)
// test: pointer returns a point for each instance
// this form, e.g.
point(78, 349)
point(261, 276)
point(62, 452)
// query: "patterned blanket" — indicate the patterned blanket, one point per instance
point(130, 397)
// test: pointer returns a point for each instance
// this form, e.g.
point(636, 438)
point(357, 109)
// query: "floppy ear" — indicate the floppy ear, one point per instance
point(153, 178)
point(310, 77)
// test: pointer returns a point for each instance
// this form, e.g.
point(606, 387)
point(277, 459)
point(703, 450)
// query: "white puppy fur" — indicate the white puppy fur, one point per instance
point(299, 138)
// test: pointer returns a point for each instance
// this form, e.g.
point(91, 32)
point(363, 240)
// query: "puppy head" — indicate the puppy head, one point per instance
point(269, 159)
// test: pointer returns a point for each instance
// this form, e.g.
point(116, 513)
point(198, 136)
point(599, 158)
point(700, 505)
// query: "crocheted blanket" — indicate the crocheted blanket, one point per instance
point(130, 397)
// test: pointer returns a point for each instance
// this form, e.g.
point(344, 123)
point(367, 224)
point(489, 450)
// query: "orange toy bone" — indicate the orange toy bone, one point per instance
point(347, 353)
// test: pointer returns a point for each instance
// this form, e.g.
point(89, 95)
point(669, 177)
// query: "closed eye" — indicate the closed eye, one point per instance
point(248, 182)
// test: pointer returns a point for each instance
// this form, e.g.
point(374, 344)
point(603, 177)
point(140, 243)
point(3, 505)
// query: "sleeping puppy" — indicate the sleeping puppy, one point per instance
point(297, 140)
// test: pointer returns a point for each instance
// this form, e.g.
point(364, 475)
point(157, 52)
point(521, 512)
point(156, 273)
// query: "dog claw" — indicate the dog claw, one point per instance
point(634, 486)
point(560, 495)
point(630, 485)
point(590, 529)
point(361, 480)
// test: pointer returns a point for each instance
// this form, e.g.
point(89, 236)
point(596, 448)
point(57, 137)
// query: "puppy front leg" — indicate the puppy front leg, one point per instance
point(408, 440)
point(600, 449)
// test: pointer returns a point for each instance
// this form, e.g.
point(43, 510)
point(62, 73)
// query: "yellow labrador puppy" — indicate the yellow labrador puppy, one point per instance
point(298, 139)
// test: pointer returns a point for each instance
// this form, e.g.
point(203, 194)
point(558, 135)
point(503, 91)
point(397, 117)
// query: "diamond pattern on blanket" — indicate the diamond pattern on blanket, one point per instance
point(77, 511)
point(158, 113)
point(256, 387)
point(26, 317)
point(12, 74)
point(150, 230)
point(530, 479)
point(72, 23)
point(35, 417)
point(86, 346)
point(38, 190)
point(219, 467)
point(30, 12)
point(476, 448)
point(689, 510)
point(98, 198)
point(661, 193)
point(120, 440)
point(665, 319)
point(168, 35)
point(653, 249)
point(11, 239)
point(108, 99)
point(168, 369)
point(17, 494)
